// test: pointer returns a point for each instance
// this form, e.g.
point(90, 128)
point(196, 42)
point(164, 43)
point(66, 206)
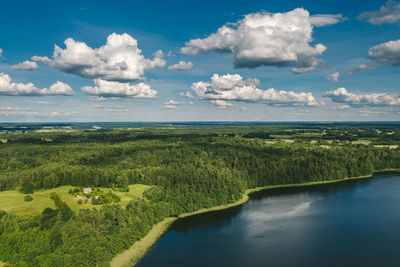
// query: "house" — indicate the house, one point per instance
point(79, 197)
point(87, 190)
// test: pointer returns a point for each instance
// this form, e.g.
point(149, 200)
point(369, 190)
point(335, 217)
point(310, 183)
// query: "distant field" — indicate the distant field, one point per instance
point(388, 146)
point(361, 142)
point(13, 201)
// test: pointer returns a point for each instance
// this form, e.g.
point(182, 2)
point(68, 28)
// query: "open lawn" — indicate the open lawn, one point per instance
point(13, 201)
point(361, 142)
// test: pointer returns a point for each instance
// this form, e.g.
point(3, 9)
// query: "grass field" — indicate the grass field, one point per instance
point(13, 201)
point(361, 142)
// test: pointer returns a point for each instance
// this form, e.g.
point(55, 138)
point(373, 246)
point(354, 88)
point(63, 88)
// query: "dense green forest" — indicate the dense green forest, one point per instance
point(188, 168)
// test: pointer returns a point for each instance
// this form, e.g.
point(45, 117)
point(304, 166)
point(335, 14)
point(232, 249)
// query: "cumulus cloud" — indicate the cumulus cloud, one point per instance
point(186, 94)
point(8, 87)
point(341, 95)
point(360, 68)
point(182, 65)
point(26, 65)
point(41, 59)
point(233, 87)
point(221, 103)
point(60, 88)
point(267, 39)
point(386, 14)
point(386, 54)
point(333, 77)
point(119, 59)
point(108, 89)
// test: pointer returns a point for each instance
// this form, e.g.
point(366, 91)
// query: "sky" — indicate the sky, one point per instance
point(79, 61)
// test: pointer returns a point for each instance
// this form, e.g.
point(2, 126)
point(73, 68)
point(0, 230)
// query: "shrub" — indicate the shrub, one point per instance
point(28, 198)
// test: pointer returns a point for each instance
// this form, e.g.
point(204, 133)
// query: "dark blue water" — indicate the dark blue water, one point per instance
point(355, 223)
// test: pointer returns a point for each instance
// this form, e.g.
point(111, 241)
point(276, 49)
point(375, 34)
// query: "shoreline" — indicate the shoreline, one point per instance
point(132, 256)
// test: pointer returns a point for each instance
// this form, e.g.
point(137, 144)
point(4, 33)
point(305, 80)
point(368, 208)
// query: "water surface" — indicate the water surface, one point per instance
point(354, 223)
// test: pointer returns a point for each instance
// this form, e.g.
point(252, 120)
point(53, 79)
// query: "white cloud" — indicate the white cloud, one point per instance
point(341, 95)
point(233, 87)
point(41, 59)
point(333, 77)
point(9, 108)
point(386, 14)
point(8, 87)
point(386, 54)
point(325, 19)
point(119, 59)
point(361, 67)
point(221, 103)
point(267, 39)
point(343, 107)
point(99, 106)
point(187, 94)
point(1, 53)
point(60, 88)
point(182, 65)
point(173, 102)
point(170, 106)
point(103, 99)
point(116, 89)
point(44, 103)
point(26, 65)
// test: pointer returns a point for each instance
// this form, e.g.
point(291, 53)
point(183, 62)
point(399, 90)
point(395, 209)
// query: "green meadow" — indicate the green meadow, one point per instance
point(12, 201)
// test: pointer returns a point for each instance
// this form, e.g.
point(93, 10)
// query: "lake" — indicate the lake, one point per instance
point(353, 223)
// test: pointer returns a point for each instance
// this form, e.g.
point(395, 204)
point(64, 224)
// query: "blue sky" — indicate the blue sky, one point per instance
point(240, 61)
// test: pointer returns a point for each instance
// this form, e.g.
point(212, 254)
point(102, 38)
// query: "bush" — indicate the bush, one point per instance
point(27, 187)
point(28, 198)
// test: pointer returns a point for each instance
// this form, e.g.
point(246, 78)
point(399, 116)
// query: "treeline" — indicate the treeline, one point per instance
point(187, 173)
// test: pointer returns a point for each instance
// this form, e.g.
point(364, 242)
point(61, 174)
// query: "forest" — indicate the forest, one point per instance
point(187, 166)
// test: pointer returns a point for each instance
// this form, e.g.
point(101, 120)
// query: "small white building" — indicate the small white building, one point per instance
point(87, 190)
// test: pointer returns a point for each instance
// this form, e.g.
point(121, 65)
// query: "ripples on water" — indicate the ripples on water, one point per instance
point(356, 223)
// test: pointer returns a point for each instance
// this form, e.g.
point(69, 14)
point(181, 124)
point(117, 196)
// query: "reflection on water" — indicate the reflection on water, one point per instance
point(353, 223)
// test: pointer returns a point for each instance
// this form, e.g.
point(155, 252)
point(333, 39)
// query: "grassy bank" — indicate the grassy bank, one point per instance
point(132, 256)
